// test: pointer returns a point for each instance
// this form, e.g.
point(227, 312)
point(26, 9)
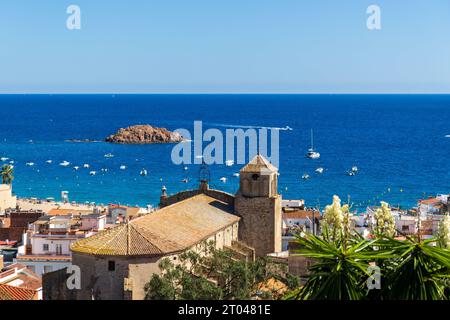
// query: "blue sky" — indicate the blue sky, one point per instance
point(184, 46)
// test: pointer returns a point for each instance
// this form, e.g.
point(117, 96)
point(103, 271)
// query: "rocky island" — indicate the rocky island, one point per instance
point(143, 134)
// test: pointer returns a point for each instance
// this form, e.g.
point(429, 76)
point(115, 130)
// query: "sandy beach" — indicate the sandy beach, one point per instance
point(46, 206)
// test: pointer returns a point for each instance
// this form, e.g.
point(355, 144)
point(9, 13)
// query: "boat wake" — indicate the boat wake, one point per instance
point(286, 128)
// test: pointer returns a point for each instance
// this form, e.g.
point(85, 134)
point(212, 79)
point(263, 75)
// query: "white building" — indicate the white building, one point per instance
point(7, 199)
point(46, 244)
point(295, 220)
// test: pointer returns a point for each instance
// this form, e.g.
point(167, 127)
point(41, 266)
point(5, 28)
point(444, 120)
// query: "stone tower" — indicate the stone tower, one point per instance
point(258, 203)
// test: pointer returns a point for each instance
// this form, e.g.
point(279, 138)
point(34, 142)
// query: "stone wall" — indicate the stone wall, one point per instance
point(54, 286)
point(23, 218)
point(183, 195)
point(12, 233)
point(97, 281)
point(260, 226)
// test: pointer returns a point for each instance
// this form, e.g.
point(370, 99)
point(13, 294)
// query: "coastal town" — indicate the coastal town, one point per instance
point(119, 248)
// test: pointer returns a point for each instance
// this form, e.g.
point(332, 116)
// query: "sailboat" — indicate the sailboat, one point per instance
point(312, 154)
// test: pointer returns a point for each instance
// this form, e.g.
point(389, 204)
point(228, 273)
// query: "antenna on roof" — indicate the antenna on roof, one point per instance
point(204, 175)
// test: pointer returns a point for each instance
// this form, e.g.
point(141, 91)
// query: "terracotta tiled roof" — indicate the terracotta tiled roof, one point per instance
point(42, 257)
point(29, 279)
point(8, 292)
point(259, 164)
point(430, 201)
point(300, 214)
point(64, 212)
point(171, 229)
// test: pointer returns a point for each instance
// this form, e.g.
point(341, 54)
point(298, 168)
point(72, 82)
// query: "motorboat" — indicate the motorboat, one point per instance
point(86, 166)
point(122, 167)
point(223, 179)
point(143, 172)
point(29, 164)
point(319, 170)
point(305, 176)
point(229, 163)
point(109, 155)
point(64, 163)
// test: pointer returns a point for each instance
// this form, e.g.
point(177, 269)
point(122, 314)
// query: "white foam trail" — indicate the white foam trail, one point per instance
point(286, 128)
point(447, 136)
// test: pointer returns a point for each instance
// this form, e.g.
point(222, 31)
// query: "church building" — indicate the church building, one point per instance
point(117, 263)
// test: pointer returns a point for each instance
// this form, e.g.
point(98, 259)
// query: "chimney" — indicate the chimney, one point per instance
point(163, 198)
point(204, 185)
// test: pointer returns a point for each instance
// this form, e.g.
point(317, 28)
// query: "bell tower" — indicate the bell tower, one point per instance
point(258, 203)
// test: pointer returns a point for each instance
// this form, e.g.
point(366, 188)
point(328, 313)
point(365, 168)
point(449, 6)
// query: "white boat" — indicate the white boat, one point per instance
point(49, 161)
point(86, 166)
point(104, 170)
point(236, 174)
point(109, 155)
point(11, 162)
point(447, 136)
point(312, 154)
point(351, 173)
point(355, 169)
point(4, 159)
point(76, 167)
point(123, 167)
point(143, 172)
point(185, 168)
point(92, 173)
point(305, 176)
point(223, 179)
point(29, 164)
point(185, 180)
point(64, 163)
point(319, 170)
point(229, 163)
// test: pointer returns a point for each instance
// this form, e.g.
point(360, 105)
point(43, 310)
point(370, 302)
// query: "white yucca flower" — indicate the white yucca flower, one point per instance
point(335, 219)
point(444, 232)
point(384, 221)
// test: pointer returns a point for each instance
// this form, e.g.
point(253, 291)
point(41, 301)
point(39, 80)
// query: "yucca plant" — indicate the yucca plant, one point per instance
point(341, 270)
point(421, 270)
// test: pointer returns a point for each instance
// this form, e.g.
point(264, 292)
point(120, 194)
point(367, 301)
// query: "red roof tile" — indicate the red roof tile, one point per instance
point(15, 293)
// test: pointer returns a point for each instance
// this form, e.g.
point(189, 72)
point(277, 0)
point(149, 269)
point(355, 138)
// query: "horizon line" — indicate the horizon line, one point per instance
point(224, 93)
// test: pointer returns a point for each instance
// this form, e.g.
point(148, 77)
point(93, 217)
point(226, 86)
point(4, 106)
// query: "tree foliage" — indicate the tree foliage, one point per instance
point(210, 273)
point(7, 173)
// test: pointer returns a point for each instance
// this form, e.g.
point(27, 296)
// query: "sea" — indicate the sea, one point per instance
point(399, 143)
